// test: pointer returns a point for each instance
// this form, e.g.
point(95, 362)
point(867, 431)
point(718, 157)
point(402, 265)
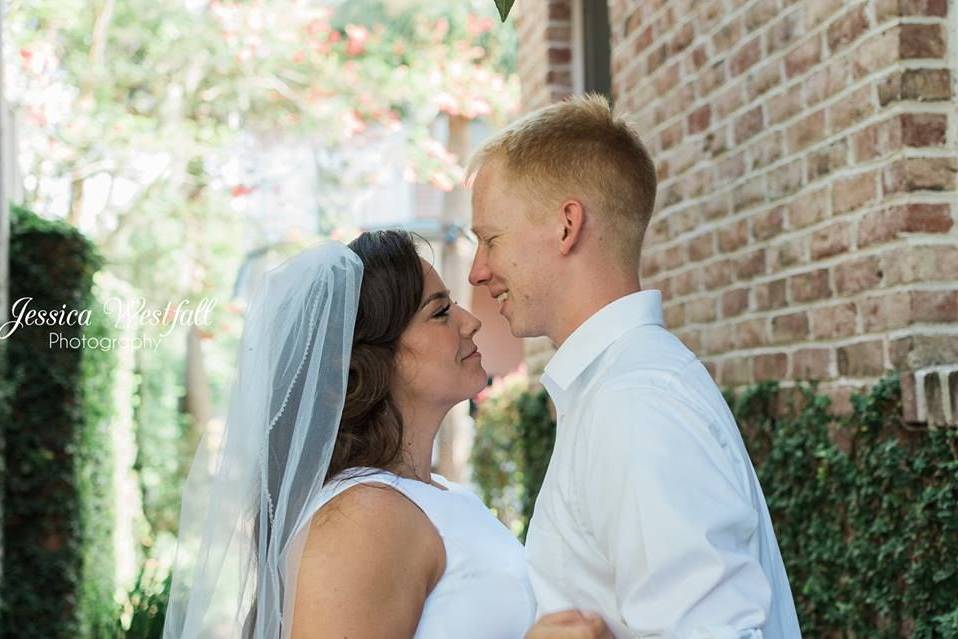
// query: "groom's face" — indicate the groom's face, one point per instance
point(512, 252)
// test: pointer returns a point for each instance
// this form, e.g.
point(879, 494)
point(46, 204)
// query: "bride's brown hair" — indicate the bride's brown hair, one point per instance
point(370, 432)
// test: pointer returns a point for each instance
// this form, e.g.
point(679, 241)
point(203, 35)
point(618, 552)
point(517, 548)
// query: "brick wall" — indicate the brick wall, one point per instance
point(807, 154)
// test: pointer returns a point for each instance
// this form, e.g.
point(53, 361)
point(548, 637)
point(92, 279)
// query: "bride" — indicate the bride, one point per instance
point(317, 514)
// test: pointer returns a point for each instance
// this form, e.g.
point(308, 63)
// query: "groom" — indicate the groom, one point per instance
point(650, 512)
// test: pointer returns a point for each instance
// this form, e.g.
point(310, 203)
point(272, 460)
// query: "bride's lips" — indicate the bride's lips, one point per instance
point(475, 353)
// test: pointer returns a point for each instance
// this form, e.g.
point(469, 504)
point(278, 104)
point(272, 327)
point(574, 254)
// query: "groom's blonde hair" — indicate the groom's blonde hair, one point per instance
point(578, 148)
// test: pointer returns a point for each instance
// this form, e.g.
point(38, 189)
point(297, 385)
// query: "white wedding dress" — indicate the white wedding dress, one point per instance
point(484, 592)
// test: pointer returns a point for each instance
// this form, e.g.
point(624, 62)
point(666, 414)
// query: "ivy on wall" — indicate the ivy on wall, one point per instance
point(865, 509)
point(58, 574)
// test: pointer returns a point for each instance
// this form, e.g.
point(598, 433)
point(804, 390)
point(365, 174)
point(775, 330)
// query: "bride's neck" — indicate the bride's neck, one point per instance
point(420, 426)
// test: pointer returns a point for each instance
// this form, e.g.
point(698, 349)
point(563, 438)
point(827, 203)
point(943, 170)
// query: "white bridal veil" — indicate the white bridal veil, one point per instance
point(249, 496)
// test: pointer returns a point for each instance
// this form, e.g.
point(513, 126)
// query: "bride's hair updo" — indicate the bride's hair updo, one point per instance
point(370, 433)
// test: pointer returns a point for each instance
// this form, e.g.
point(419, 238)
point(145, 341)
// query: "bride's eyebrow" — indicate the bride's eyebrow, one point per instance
point(438, 295)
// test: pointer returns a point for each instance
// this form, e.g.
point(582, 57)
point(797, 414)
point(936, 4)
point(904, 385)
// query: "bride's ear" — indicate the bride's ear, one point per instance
point(572, 216)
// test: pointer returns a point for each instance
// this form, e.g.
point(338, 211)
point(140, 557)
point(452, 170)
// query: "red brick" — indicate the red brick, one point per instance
point(785, 105)
point(784, 32)
point(683, 38)
point(717, 339)
point(710, 79)
point(683, 220)
point(888, 224)
point(734, 302)
point(770, 295)
point(785, 180)
point(717, 274)
point(749, 194)
point(790, 327)
point(766, 149)
point(769, 224)
point(887, 9)
point(922, 41)
point(826, 80)
point(878, 52)
point(764, 79)
point(920, 174)
point(882, 313)
point(818, 11)
point(644, 41)
point(633, 21)
point(857, 275)
point(924, 129)
point(685, 283)
point(699, 57)
point(701, 310)
point(748, 124)
point(746, 57)
point(666, 79)
point(716, 206)
point(560, 10)
point(927, 85)
point(788, 253)
point(727, 37)
point(735, 371)
point(657, 57)
point(831, 240)
point(822, 162)
point(670, 136)
point(810, 286)
point(674, 315)
point(847, 29)
point(751, 265)
point(812, 364)
point(731, 167)
point(760, 13)
point(691, 338)
point(806, 131)
point(699, 119)
point(770, 366)
point(702, 246)
point(852, 110)
point(934, 306)
point(733, 236)
point(559, 34)
point(864, 359)
point(559, 55)
point(878, 139)
point(853, 193)
point(812, 207)
point(804, 57)
point(838, 320)
point(729, 100)
point(750, 333)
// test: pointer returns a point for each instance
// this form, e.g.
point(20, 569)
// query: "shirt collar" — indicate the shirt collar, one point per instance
point(596, 334)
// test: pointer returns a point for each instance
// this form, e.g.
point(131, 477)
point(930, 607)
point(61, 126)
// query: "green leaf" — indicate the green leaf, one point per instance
point(504, 6)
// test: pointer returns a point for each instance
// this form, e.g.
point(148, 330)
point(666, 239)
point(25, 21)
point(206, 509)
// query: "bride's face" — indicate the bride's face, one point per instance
point(438, 363)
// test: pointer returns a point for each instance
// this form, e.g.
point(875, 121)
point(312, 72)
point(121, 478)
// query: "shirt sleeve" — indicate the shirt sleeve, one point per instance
point(664, 500)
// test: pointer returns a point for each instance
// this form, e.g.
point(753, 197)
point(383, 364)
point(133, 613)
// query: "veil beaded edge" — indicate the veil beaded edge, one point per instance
point(249, 496)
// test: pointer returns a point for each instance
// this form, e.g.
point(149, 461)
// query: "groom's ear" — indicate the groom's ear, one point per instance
point(572, 216)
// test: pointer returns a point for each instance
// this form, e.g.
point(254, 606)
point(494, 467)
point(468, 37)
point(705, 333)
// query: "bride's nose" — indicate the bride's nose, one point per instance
point(470, 324)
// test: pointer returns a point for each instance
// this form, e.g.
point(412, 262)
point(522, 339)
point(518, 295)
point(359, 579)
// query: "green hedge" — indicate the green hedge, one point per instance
point(865, 508)
point(58, 571)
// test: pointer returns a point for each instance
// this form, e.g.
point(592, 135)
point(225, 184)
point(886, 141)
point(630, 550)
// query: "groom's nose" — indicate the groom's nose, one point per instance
point(479, 273)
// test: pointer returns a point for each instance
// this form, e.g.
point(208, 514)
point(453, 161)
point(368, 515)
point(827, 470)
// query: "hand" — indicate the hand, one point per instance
point(570, 624)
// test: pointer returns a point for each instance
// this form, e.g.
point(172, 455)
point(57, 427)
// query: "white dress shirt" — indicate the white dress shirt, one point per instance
point(650, 512)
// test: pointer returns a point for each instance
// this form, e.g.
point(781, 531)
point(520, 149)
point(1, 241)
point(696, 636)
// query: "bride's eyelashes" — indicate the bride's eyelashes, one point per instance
point(443, 312)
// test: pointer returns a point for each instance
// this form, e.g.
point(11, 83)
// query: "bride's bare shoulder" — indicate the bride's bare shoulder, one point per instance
point(370, 560)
